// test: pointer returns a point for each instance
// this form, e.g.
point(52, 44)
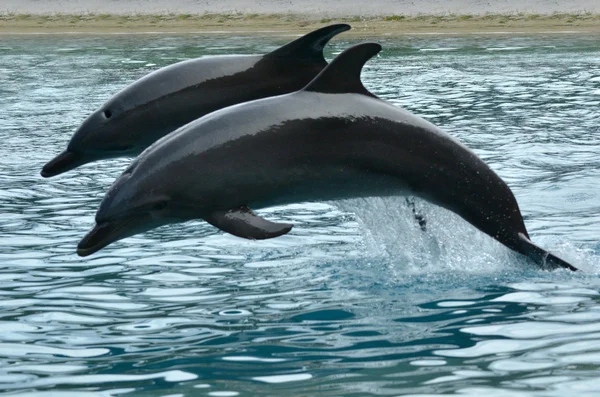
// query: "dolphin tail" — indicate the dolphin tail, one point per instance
point(541, 256)
point(64, 162)
point(310, 46)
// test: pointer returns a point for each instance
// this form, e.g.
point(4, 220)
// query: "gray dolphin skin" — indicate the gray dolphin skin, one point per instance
point(162, 101)
point(331, 140)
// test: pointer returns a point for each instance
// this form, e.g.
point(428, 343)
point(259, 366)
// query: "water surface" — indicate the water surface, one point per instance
point(356, 300)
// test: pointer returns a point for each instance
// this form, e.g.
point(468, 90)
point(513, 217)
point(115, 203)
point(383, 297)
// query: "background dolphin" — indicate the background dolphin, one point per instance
point(331, 140)
point(168, 98)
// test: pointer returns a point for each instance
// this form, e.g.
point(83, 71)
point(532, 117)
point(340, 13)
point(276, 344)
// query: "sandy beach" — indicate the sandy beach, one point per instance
point(377, 17)
point(328, 8)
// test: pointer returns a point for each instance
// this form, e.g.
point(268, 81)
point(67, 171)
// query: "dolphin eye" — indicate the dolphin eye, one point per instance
point(107, 114)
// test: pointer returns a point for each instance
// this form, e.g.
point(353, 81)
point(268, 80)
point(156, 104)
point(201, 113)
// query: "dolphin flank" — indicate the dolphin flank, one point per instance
point(331, 140)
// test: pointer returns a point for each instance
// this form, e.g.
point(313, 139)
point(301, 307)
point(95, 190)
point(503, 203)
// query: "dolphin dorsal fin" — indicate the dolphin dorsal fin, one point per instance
point(310, 46)
point(342, 75)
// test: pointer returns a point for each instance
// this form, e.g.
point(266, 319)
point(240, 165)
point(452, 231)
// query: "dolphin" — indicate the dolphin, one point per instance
point(333, 139)
point(168, 98)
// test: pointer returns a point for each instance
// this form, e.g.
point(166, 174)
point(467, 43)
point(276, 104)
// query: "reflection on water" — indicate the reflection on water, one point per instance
point(344, 305)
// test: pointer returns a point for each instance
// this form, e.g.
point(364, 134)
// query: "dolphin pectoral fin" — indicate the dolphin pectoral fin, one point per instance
point(541, 256)
point(342, 75)
point(310, 46)
point(242, 222)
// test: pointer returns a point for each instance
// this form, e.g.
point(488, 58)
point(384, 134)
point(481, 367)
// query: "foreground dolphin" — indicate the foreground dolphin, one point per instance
point(170, 97)
point(331, 140)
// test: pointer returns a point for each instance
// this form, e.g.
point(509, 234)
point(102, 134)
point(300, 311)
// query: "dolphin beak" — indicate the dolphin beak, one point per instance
point(106, 233)
point(64, 162)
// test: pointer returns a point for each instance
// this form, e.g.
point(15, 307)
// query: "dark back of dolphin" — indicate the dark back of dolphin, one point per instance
point(331, 140)
point(173, 96)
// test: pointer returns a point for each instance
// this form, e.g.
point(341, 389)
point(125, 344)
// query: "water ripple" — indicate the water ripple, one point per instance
point(350, 303)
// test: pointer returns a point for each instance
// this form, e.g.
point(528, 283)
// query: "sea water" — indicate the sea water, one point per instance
point(357, 300)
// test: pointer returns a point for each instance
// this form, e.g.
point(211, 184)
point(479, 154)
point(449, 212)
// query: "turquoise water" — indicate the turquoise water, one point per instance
point(356, 300)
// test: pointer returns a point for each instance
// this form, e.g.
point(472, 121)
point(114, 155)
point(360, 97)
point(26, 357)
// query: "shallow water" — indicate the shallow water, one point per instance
point(356, 300)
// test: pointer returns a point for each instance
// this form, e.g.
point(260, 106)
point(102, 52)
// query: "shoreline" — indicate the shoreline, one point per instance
point(390, 25)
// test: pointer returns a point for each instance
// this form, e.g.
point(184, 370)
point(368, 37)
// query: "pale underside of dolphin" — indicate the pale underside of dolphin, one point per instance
point(162, 101)
point(331, 140)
